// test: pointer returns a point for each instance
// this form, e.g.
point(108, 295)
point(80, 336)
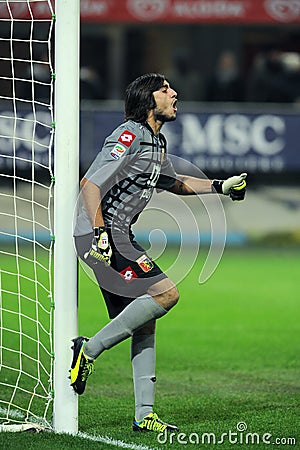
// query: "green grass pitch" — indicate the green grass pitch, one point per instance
point(227, 353)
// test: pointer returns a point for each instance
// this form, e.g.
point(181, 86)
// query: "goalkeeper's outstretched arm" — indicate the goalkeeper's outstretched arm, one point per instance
point(186, 185)
point(234, 186)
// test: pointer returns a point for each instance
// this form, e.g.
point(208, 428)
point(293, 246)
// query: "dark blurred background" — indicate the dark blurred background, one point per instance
point(204, 62)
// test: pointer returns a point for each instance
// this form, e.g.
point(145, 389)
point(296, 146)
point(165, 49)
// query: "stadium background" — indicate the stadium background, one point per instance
point(254, 129)
point(236, 67)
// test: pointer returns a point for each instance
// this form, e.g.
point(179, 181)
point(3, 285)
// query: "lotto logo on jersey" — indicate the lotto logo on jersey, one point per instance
point(127, 138)
point(145, 263)
point(128, 274)
point(118, 151)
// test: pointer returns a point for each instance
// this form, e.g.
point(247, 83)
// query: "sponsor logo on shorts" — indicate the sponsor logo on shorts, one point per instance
point(145, 263)
point(128, 274)
point(127, 138)
point(118, 151)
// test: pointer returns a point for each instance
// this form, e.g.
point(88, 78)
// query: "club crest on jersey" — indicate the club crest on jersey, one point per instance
point(128, 274)
point(145, 263)
point(127, 138)
point(118, 151)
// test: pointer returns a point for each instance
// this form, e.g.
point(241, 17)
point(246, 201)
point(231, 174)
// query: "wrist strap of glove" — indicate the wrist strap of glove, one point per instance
point(98, 231)
point(216, 185)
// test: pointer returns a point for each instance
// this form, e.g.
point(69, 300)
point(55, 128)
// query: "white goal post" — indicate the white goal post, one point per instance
point(66, 192)
point(39, 119)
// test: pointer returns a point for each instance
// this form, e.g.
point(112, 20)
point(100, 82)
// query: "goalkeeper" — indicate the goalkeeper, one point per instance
point(116, 188)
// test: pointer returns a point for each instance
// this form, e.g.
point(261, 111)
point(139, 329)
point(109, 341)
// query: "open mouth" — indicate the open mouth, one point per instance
point(175, 105)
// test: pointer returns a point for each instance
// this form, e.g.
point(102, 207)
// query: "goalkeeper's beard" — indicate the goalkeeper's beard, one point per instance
point(160, 117)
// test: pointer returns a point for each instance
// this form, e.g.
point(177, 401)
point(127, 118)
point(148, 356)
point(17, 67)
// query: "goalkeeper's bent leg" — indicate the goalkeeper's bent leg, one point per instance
point(135, 315)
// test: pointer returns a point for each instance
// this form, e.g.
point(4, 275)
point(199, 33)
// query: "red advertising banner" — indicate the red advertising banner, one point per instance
point(166, 11)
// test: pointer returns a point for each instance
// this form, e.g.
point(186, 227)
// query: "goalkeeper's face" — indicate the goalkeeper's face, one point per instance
point(166, 100)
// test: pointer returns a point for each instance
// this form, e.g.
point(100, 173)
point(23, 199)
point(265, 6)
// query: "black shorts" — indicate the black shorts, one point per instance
point(129, 276)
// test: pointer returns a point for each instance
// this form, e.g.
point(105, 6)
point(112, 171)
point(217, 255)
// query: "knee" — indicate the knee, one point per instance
point(168, 299)
point(165, 293)
point(173, 297)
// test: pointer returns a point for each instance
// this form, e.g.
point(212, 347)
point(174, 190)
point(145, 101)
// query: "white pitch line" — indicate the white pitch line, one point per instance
point(115, 442)
point(14, 413)
point(105, 439)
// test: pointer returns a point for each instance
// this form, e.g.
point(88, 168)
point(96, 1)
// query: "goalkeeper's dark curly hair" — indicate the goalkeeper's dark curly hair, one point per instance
point(139, 98)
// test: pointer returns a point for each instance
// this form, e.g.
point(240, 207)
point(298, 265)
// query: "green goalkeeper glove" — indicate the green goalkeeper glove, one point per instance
point(101, 248)
point(234, 186)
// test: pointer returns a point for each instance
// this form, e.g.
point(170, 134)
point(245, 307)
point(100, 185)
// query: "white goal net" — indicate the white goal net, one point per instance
point(26, 236)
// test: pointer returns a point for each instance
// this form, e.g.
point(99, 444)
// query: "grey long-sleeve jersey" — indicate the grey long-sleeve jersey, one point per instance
point(132, 163)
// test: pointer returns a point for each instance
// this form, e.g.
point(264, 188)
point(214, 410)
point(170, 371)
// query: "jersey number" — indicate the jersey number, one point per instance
point(154, 175)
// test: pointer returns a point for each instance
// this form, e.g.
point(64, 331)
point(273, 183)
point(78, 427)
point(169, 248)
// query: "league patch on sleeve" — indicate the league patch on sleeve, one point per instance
point(117, 151)
point(145, 263)
point(127, 138)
